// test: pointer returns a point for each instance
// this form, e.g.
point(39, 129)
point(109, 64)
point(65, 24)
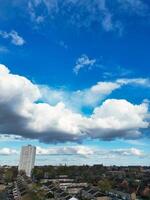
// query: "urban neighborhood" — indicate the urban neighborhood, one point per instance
point(97, 182)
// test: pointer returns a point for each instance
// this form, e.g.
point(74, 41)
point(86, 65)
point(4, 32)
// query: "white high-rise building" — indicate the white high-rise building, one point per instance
point(27, 159)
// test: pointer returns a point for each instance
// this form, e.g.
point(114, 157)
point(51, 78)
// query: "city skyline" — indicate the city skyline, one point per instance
point(75, 81)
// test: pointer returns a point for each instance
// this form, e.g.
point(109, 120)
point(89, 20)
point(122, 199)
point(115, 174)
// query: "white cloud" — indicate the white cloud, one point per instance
point(107, 22)
point(76, 100)
point(34, 17)
point(117, 118)
point(81, 150)
point(134, 6)
point(87, 151)
point(10, 138)
point(49, 8)
point(83, 62)
point(128, 152)
point(135, 81)
point(136, 142)
point(3, 49)
point(22, 115)
point(98, 11)
point(8, 151)
point(69, 150)
point(13, 36)
point(63, 44)
point(89, 97)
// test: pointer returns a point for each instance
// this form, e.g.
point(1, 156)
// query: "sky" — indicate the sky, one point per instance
point(74, 81)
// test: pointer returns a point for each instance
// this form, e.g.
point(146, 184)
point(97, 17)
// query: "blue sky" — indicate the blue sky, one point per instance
point(74, 78)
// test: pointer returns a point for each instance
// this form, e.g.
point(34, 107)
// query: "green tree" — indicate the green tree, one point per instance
point(105, 185)
point(8, 175)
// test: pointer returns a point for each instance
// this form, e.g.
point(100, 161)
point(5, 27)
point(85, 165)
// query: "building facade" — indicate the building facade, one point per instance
point(27, 159)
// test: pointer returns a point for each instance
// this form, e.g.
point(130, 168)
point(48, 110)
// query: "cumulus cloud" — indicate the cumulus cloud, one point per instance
point(117, 118)
point(10, 138)
point(74, 150)
point(89, 97)
point(136, 81)
point(81, 150)
point(8, 151)
point(76, 100)
point(128, 152)
point(136, 142)
point(83, 62)
point(14, 37)
point(21, 113)
point(89, 151)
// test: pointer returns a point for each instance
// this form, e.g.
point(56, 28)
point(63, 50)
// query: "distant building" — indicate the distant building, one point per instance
point(27, 159)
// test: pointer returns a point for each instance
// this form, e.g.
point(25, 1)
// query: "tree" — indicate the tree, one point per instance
point(8, 176)
point(38, 173)
point(146, 193)
point(105, 185)
point(124, 185)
